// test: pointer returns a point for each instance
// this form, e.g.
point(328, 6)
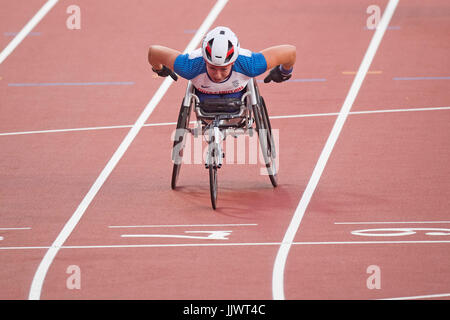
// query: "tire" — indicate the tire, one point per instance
point(266, 140)
point(269, 126)
point(213, 188)
point(179, 141)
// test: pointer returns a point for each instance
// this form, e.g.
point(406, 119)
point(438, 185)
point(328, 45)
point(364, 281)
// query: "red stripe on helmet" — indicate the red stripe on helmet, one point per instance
point(230, 52)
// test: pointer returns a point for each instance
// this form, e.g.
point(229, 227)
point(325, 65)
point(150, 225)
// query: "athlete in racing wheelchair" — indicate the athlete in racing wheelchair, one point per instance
point(223, 93)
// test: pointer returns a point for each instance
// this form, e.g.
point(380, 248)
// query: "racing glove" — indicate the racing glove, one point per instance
point(278, 74)
point(164, 72)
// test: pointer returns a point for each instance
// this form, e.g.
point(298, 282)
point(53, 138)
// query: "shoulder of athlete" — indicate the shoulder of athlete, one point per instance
point(189, 65)
point(250, 63)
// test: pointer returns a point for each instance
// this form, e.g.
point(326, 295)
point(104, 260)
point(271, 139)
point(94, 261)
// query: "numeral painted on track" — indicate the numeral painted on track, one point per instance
point(374, 18)
point(74, 280)
point(73, 22)
point(396, 232)
point(211, 235)
point(374, 280)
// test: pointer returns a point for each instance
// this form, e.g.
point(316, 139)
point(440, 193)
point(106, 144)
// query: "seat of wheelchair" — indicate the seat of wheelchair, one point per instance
point(221, 106)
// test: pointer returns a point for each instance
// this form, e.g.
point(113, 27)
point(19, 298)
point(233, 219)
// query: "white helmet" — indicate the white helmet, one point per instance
point(220, 46)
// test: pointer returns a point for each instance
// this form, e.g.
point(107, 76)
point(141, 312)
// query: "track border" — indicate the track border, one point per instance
point(41, 272)
point(283, 251)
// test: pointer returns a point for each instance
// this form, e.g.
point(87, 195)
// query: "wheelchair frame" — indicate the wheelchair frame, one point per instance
point(217, 126)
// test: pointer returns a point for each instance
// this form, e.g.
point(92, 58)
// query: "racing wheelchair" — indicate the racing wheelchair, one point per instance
point(217, 118)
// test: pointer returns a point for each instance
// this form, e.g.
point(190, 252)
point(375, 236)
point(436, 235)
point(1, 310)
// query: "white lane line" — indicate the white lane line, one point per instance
point(393, 222)
point(188, 225)
point(359, 112)
point(39, 276)
point(429, 296)
point(400, 110)
point(271, 117)
point(64, 130)
point(312, 243)
point(283, 251)
point(85, 129)
point(7, 229)
point(27, 29)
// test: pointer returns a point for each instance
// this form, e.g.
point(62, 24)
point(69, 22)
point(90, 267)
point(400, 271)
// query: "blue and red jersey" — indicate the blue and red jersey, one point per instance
point(192, 66)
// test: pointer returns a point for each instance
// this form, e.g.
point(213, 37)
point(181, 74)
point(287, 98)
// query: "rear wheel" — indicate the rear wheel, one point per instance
point(266, 140)
point(272, 147)
point(179, 142)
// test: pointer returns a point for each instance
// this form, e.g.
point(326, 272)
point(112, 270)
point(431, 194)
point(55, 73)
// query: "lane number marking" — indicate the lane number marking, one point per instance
point(398, 232)
point(211, 235)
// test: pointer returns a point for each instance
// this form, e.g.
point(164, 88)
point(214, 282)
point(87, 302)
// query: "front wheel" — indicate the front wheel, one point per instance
point(212, 165)
point(213, 185)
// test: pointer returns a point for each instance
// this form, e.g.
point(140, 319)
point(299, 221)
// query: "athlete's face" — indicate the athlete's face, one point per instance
point(218, 74)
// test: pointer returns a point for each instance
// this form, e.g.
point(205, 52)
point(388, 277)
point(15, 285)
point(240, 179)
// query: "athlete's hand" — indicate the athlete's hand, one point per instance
point(164, 72)
point(277, 75)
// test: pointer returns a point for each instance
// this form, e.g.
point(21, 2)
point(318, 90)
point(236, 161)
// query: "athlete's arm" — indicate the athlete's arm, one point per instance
point(159, 56)
point(283, 54)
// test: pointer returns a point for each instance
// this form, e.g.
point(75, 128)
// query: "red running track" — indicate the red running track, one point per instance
point(388, 170)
